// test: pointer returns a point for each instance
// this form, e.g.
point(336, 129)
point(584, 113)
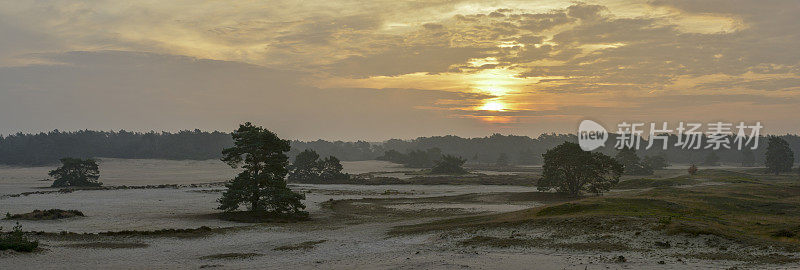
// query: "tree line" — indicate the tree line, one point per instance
point(261, 185)
point(48, 148)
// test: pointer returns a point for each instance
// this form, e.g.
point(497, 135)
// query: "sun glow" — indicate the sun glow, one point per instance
point(493, 106)
point(496, 91)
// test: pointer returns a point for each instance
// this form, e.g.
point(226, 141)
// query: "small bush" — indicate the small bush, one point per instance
point(46, 214)
point(783, 233)
point(301, 246)
point(16, 240)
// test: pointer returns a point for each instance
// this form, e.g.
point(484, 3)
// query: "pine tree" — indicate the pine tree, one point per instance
point(261, 184)
point(75, 172)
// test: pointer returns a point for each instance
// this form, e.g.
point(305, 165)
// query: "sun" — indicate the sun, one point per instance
point(493, 106)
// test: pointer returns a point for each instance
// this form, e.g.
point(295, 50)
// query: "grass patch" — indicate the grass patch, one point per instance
point(422, 179)
point(649, 183)
point(638, 207)
point(380, 210)
point(383, 208)
point(497, 242)
point(51, 214)
point(509, 242)
point(726, 176)
point(304, 245)
point(773, 258)
point(230, 256)
point(262, 217)
point(708, 175)
point(108, 245)
point(746, 210)
point(184, 233)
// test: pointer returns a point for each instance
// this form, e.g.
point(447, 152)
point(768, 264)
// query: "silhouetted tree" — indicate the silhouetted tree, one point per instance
point(569, 169)
point(712, 159)
point(779, 156)
point(261, 185)
point(418, 159)
point(308, 168)
point(394, 156)
point(359, 150)
point(305, 167)
point(657, 162)
point(748, 158)
point(331, 168)
point(75, 172)
point(434, 154)
point(48, 148)
point(631, 163)
point(502, 160)
point(414, 158)
point(449, 165)
point(528, 157)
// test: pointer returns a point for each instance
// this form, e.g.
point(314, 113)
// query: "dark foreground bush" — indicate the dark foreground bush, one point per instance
point(16, 240)
point(46, 215)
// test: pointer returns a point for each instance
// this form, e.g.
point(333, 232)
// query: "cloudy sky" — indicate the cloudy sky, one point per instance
point(375, 70)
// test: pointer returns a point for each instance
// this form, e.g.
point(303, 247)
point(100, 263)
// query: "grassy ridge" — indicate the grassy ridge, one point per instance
point(647, 183)
point(744, 208)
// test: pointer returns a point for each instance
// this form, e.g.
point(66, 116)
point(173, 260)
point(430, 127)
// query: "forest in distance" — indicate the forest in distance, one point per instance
point(47, 148)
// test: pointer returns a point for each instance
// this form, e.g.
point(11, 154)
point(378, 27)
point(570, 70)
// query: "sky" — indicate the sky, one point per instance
point(374, 70)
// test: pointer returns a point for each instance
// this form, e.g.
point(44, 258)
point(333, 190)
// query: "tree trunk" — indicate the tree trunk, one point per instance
point(254, 197)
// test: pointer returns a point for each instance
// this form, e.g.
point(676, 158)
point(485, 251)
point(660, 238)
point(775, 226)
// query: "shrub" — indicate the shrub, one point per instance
point(16, 240)
point(692, 170)
point(449, 165)
point(569, 169)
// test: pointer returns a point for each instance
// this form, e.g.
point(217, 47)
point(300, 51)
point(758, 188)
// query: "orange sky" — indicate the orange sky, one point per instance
point(396, 69)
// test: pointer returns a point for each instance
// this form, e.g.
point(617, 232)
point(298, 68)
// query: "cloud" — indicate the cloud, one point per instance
point(585, 12)
point(404, 60)
point(145, 91)
point(442, 59)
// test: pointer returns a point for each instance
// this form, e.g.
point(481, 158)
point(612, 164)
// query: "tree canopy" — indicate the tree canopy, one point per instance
point(502, 160)
point(309, 168)
point(779, 156)
point(748, 158)
point(569, 169)
point(75, 172)
point(449, 164)
point(305, 166)
point(331, 168)
point(631, 163)
point(261, 184)
point(657, 162)
point(712, 159)
point(414, 158)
